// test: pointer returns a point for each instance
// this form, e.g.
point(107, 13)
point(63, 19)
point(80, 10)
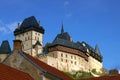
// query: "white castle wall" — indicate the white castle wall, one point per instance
point(28, 40)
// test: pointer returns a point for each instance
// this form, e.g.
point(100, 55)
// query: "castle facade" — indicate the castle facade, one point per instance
point(63, 53)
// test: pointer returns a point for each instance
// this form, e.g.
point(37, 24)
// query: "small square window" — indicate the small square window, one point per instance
point(61, 55)
point(66, 55)
point(75, 57)
point(75, 62)
point(66, 60)
point(71, 57)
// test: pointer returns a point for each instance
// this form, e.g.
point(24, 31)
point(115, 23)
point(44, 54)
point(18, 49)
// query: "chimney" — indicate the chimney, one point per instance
point(17, 45)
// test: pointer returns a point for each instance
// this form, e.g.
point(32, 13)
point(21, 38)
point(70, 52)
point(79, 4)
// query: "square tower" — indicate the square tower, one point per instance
point(30, 32)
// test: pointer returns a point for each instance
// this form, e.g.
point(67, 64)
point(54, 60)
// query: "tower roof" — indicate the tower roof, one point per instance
point(63, 35)
point(97, 50)
point(62, 29)
point(64, 39)
point(28, 24)
point(5, 47)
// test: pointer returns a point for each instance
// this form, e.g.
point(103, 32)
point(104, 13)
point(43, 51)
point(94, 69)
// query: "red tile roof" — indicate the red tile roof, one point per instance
point(48, 68)
point(8, 73)
point(117, 77)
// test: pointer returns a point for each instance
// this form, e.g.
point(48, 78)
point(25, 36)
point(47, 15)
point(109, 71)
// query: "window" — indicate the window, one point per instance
point(66, 60)
point(61, 55)
point(71, 57)
point(75, 57)
point(35, 33)
point(66, 55)
point(25, 39)
point(27, 33)
point(75, 62)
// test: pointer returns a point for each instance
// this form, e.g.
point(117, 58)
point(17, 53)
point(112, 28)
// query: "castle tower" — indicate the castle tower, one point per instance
point(30, 32)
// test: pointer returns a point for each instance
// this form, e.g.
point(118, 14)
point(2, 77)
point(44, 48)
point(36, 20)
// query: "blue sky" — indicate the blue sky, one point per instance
point(92, 21)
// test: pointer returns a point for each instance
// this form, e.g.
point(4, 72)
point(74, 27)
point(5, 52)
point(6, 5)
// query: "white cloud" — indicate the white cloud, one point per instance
point(7, 28)
point(66, 3)
point(3, 30)
point(12, 26)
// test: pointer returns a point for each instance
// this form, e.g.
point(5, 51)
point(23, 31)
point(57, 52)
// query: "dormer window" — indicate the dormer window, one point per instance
point(83, 44)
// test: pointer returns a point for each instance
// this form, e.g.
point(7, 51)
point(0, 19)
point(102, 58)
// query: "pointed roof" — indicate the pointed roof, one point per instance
point(28, 24)
point(5, 47)
point(62, 29)
point(64, 39)
point(97, 50)
point(63, 35)
point(37, 43)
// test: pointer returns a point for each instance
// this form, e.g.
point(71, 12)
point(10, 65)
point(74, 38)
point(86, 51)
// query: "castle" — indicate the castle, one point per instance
point(63, 53)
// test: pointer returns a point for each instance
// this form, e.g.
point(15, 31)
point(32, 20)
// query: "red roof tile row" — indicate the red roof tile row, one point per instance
point(117, 77)
point(8, 73)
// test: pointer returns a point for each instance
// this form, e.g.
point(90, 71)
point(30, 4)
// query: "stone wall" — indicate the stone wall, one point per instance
point(29, 39)
point(94, 64)
point(2, 57)
point(67, 62)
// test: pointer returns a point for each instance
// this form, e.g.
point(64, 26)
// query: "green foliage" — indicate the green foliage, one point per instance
point(85, 75)
point(71, 75)
point(94, 71)
point(79, 75)
point(104, 71)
